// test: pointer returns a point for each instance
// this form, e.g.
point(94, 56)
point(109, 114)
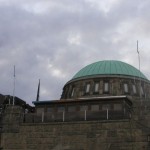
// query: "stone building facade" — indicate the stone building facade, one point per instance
point(105, 106)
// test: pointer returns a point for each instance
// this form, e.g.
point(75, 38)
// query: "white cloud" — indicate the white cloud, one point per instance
point(74, 38)
point(52, 40)
point(104, 5)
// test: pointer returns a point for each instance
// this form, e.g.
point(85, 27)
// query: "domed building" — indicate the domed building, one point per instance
point(104, 90)
point(107, 78)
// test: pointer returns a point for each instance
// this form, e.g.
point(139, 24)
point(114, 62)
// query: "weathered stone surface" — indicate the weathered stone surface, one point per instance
point(84, 135)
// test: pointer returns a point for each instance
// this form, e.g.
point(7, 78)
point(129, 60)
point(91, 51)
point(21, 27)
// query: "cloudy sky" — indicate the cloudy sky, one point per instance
point(53, 39)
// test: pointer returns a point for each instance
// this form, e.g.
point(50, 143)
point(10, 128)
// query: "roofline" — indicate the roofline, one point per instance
point(80, 99)
point(103, 97)
point(105, 76)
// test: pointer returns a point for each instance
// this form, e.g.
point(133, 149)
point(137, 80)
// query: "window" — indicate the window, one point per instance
point(117, 107)
point(94, 107)
point(105, 107)
point(50, 109)
point(106, 87)
point(126, 88)
point(134, 89)
point(72, 92)
point(61, 109)
point(87, 89)
point(142, 92)
point(40, 110)
point(83, 107)
point(71, 108)
point(96, 87)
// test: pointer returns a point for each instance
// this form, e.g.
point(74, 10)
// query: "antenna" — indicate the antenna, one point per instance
point(138, 55)
point(139, 67)
point(14, 86)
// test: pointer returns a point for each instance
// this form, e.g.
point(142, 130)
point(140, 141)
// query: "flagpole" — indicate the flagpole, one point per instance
point(38, 91)
point(14, 87)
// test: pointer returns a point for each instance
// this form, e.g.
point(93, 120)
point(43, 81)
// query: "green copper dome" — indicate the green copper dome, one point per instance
point(109, 67)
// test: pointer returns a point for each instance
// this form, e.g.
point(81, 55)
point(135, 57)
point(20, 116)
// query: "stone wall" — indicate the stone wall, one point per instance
point(85, 135)
point(116, 87)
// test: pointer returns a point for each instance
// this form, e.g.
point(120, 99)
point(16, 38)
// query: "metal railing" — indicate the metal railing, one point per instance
point(75, 116)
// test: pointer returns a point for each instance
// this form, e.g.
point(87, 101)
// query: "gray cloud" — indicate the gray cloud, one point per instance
point(52, 40)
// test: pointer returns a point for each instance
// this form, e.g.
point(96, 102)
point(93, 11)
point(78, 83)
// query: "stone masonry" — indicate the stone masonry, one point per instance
point(85, 135)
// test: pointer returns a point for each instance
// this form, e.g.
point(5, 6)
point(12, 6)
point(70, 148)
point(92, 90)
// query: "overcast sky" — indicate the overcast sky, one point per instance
point(52, 40)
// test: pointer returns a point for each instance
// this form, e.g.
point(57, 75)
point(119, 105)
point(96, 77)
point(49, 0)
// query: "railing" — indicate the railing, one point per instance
point(75, 116)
